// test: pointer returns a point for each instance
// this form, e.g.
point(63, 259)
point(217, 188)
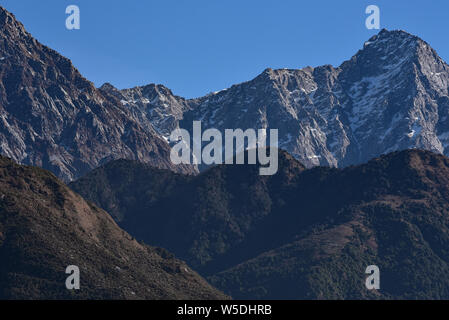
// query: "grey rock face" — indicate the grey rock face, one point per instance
point(52, 117)
point(392, 95)
point(153, 103)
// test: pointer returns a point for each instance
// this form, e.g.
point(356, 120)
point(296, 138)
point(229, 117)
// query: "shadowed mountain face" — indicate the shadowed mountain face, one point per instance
point(50, 116)
point(45, 227)
point(300, 234)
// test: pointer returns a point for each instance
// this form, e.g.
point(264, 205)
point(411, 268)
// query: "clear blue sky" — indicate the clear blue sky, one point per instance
point(198, 46)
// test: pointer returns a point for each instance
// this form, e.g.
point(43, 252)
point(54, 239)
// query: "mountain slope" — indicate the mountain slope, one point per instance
point(152, 204)
point(52, 117)
point(300, 234)
point(392, 212)
point(45, 227)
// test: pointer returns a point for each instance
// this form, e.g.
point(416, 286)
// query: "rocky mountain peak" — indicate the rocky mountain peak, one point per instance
point(108, 87)
point(393, 37)
point(381, 100)
point(11, 29)
point(386, 52)
point(8, 19)
point(52, 117)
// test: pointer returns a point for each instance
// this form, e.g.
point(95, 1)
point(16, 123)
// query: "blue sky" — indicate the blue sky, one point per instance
point(198, 46)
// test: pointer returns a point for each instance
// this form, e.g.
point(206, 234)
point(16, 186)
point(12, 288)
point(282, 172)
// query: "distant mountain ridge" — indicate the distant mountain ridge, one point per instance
point(300, 234)
point(392, 95)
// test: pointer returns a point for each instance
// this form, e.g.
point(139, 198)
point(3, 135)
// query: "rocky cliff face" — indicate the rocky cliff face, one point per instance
point(153, 103)
point(52, 117)
point(392, 95)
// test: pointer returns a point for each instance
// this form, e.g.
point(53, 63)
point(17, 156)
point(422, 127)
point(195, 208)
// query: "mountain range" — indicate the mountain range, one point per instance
point(353, 188)
point(391, 95)
point(300, 234)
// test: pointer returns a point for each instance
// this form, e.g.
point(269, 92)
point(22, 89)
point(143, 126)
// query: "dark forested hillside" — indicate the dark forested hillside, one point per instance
point(45, 227)
point(300, 233)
